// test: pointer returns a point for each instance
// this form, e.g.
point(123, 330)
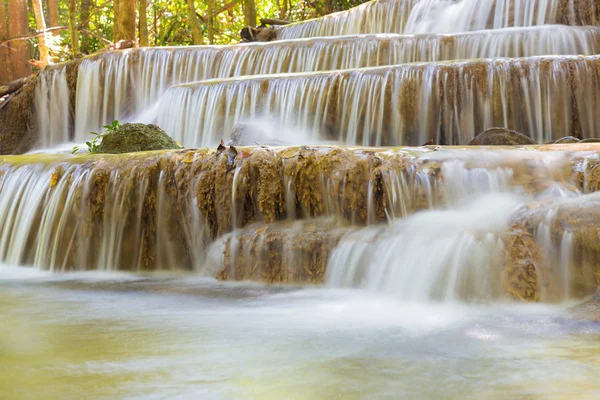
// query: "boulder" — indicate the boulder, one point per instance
point(132, 137)
point(501, 137)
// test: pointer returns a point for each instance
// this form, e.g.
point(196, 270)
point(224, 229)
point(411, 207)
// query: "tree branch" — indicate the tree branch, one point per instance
point(32, 35)
point(96, 36)
point(12, 86)
point(226, 6)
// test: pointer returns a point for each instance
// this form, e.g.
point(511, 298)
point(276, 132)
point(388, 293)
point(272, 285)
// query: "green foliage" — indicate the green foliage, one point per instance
point(168, 21)
point(93, 146)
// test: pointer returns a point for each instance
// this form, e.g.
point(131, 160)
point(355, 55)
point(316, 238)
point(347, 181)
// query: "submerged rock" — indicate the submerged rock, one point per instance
point(567, 139)
point(136, 137)
point(501, 137)
point(251, 134)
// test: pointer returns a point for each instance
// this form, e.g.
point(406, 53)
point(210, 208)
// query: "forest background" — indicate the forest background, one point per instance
point(35, 33)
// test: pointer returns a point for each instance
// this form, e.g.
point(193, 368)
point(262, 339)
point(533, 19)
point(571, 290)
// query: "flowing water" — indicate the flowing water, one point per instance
point(385, 272)
point(407, 104)
point(133, 81)
point(119, 336)
point(418, 16)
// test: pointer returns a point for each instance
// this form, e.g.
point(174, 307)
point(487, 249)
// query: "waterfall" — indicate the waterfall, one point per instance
point(424, 16)
point(468, 15)
point(445, 255)
point(64, 216)
point(544, 97)
point(475, 242)
point(378, 16)
point(132, 81)
point(52, 107)
point(284, 214)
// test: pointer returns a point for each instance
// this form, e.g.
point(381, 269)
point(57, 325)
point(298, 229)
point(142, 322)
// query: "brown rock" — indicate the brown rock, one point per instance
point(501, 137)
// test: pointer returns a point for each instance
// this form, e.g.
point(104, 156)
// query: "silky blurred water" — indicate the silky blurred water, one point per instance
point(165, 337)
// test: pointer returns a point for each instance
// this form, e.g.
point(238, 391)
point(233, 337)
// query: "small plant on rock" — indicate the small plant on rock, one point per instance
point(94, 145)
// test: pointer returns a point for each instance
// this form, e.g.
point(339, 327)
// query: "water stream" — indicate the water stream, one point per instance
point(107, 336)
point(257, 271)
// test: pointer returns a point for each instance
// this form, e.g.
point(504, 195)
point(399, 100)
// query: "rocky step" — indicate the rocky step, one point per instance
point(162, 210)
point(116, 85)
point(420, 16)
point(545, 98)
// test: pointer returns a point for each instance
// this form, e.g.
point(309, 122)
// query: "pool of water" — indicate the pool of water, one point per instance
point(97, 335)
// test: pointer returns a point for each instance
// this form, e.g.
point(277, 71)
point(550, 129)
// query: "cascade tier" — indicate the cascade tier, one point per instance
point(81, 97)
point(283, 215)
point(425, 16)
point(544, 97)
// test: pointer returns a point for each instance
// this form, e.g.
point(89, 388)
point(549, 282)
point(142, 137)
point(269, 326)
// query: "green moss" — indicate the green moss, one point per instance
point(129, 138)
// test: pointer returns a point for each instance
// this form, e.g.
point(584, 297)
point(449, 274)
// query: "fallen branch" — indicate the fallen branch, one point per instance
point(272, 21)
point(12, 86)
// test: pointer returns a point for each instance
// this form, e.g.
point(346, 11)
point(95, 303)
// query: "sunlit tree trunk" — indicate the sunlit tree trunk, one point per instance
point(53, 13)
point(74, 35)
point(19, 50)
point(38, 11)
point(194, 22)
point(124, 27)
point(5, 72)
point(84, 23)
point(249, 13)
point(143, 22)
point(283, 9)
point(210, 20)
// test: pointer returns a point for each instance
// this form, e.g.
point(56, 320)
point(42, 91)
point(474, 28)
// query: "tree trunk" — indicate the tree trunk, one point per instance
point(124, 27)
point(84, 24)
point(143, 22)
point(38, 11)
point(283, 9)
point(20, 51)
point(250, 13)
point(73, 28)
point(210, 20)
point(53, 13)
point(5, 72)
point(194, 22)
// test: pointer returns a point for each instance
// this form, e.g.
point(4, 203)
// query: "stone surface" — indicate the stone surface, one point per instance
point(501, 137)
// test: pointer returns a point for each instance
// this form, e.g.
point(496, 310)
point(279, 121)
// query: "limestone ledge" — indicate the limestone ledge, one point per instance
point(165, 209)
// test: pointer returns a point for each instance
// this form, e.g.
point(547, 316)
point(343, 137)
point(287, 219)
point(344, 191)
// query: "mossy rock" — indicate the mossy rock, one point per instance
point(131, 137)
point(501, 137)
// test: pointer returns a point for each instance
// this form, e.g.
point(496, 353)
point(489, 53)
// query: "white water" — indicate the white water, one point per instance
point(442, 255)
point(131, 82)
point(424, 16)
point(166, 337)
point(470, 15)
point(398, 105)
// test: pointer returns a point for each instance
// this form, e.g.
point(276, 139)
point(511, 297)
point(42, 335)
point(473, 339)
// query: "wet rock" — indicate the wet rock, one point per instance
point(132, 137)
point(567, 139)
point(251, 134)
point(282, 252)
point(501, 137)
